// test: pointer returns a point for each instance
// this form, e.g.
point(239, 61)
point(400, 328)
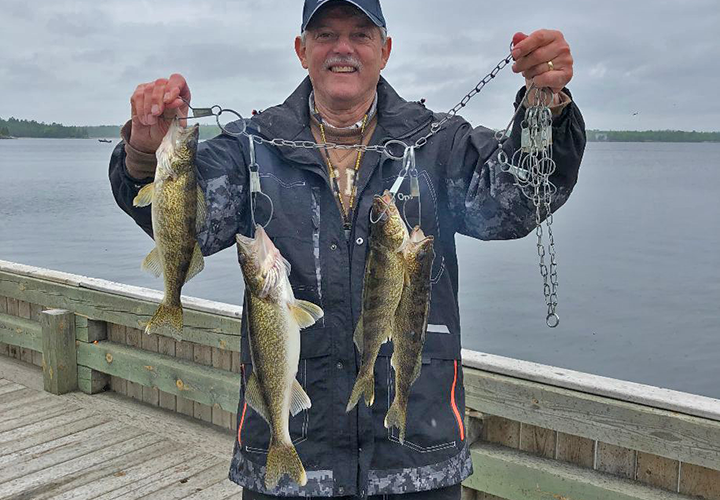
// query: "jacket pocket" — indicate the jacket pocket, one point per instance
point(436, 402)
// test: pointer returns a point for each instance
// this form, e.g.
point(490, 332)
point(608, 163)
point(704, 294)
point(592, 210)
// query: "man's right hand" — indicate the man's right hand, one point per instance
point(154, 105)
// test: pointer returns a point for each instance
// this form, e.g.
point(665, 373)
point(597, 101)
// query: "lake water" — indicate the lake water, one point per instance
point(637, 245)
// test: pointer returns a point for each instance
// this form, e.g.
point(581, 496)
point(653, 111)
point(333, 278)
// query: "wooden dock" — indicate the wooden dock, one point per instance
point(106, 447)
point(92, 408)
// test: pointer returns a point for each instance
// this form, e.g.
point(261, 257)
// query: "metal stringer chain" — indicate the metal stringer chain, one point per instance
point(532, 165)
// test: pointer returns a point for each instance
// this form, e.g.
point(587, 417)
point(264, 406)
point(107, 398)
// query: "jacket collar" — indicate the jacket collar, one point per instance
point(397, 119)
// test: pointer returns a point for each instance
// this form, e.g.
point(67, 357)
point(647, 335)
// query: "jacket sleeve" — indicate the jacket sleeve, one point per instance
point(483, 200)
point(222, 176)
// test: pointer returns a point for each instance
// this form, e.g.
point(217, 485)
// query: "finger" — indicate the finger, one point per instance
point(157, 106)
point(518, 37)
point(147, 104)
point(554, 80)
point(177, 87)
point(536, 39)
point(536, 57)
point(137, 105)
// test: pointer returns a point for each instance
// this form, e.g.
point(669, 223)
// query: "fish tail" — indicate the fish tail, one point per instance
point(396, 417)
point(167, 319)
point(364, 385)
point(283, 459)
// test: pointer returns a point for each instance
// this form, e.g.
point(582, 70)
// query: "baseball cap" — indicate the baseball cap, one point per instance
point(370, 8)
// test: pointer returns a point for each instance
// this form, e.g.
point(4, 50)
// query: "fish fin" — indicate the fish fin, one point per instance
point(197, 263)
point(145, 195)
point(299, 399)
point(306, 313)
point(253, 396)
point(358, 336)
point(201, 211)
point(153, 263)
point(364, 384)
point(283, 459)
point(166, 320)
point(396, 417)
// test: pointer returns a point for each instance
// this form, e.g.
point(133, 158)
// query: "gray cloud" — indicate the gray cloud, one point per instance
point(78, 62)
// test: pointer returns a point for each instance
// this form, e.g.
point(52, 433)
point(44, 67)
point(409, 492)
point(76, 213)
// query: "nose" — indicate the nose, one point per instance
point(343, 46)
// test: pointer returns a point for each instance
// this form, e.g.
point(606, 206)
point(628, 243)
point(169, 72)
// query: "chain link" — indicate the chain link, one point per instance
point(435, 127)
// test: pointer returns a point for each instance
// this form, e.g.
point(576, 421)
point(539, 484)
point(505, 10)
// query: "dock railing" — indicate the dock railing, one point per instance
point(536, 432)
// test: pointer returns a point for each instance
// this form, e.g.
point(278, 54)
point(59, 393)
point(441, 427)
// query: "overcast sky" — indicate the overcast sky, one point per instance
point(639, 64)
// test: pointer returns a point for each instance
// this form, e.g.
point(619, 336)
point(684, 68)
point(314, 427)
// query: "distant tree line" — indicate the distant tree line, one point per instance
point(651, 136)
point(13, 127)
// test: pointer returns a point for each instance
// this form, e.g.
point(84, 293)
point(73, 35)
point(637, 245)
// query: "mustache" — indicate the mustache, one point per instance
point(343, 61)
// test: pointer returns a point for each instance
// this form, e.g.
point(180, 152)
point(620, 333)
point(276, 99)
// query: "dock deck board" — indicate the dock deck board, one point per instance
point(104, 446)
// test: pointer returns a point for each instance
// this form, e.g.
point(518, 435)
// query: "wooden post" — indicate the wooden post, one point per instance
point(59, 354)
point(88, 330)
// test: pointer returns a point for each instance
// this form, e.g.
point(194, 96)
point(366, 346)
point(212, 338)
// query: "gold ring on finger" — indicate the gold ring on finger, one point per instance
point(551, 66)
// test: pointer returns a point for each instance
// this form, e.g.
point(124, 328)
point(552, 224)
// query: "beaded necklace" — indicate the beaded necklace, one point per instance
point(351, 188)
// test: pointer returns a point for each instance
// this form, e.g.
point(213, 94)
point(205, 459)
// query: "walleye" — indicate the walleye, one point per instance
point(178, 210)
point(275, 319)
point(411, 320)
point(382, 287)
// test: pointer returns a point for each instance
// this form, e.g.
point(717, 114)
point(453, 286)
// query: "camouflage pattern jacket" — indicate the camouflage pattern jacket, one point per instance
point(462, 191)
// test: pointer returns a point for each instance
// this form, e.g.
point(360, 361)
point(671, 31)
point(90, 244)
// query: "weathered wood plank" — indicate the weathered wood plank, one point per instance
point(12, 310)
point(576, 450)
point(21, 397)
point(171, 460)
point(43, 424)
point(35, 310)
point(90, 330)
point(157, 482)
point(92, 381)
point(58, 347)
point(20, 332)
point(166, 346)
point(700, 481)
point(27, 420)
point(4, 348)
point(538, 441)
point(661, 432)
point(24, 312)
point(117, 334)
point(623, 390)
point(515, 475)
point(17, 414)
point(224, 490)
point(184, 350)
point(133, 339)
point(200, 327)
point(150, 395)
point(202, 355)
point(11, 387)
point(26, 465)
point(198, 383)
point(616, 460)
point(222, 360)
point(658, 471)
point(52, 434)
point(193, 483)
point(502, 431)
point(29, 453)
point(106, 476)
point(62, 470)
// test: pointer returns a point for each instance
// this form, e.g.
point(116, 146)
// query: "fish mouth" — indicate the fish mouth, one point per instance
point(382, 205)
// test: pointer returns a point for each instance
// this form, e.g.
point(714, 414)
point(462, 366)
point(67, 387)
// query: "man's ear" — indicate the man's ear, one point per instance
point(387, 48)
point(300, 50)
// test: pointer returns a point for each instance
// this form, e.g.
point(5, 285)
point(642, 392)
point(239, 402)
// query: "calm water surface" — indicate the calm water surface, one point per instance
point(637, 245)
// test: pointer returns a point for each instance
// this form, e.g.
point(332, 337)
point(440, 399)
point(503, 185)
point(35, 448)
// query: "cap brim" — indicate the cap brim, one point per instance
point(370, 16)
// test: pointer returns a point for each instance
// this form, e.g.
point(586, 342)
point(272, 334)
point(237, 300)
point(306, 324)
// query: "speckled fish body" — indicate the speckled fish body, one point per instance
point(178, 208)
point(411, 318)
point(275, 320)
point(382, 287)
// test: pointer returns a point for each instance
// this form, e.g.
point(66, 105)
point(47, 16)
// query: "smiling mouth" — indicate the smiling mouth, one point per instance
point(343, 69)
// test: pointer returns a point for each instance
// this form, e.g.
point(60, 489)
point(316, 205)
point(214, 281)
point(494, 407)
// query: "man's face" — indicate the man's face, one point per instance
point(343, 55)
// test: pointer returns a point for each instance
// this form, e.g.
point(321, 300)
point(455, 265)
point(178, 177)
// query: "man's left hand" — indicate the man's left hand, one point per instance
point(533, 53)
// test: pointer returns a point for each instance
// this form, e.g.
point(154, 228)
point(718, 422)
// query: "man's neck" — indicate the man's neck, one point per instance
point(339, 116)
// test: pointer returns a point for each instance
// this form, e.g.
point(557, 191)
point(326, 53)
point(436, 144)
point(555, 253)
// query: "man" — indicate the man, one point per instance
point(321, 226)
